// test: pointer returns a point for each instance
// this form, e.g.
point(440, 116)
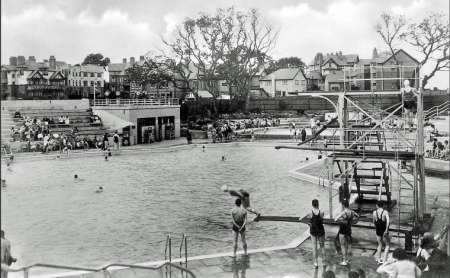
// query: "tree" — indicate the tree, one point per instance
point(390, 31)
point(431, 39)
point(149, 73)
point(286, 62)
point(96, 59)
point(227, 45)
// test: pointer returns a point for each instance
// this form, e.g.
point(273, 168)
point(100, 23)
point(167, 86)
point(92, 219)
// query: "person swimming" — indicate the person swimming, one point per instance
point(203, 147)
point(99, 189)
point(76, 178)
point(223, 158)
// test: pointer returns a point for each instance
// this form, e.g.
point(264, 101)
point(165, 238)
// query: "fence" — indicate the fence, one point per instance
point(135, 102)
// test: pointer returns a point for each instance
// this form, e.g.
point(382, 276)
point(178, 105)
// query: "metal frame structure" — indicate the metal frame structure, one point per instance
point(392, 145)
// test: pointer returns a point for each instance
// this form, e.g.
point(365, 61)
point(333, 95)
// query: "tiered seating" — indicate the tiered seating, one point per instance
point(81, 126)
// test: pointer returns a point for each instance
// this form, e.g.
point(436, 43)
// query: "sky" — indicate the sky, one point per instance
point(72, 29)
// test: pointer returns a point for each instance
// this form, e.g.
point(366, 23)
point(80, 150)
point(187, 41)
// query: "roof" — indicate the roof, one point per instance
point(314, 75)
point(342, 60)
point(283, 74)
point(90, 68)
point(204, 94)
point(383, 57)
point(55, 74)
point(117, 67)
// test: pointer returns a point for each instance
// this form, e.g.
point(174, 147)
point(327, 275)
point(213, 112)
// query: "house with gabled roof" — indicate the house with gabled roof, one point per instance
point(380, 71)
point(284, 82)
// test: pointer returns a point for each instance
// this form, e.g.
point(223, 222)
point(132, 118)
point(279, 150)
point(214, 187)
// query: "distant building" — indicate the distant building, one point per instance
point(118, 82)
point(330, 74)
point(284, 82)
point(83, 78)
point(28, 79)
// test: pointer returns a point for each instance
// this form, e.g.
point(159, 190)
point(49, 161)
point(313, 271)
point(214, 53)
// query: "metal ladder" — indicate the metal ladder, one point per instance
point(105, 269)
point(168, 255)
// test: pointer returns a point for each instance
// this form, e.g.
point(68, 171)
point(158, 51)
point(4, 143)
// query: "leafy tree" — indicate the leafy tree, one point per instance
point(149, 73)
point(286, 62)
point(96, 59)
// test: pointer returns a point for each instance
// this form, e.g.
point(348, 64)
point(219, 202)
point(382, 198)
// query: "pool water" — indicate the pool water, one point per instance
point(50, 218)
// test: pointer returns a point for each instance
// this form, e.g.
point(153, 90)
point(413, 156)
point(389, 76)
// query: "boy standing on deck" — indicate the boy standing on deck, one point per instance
point(239, 219)
point(381, 222)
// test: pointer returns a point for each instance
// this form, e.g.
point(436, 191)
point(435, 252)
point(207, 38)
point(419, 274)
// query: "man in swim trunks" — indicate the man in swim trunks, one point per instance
point(239, 219)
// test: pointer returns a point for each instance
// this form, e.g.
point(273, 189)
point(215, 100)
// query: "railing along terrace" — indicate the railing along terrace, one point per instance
point(135, 102)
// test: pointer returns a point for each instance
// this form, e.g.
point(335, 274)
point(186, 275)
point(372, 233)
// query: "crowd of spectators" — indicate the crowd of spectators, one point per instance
point(41, 134)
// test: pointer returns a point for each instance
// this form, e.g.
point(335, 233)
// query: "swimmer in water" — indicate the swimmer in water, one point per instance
point(203, 148)
point(223, 158)
point(106, 158)
point(99, 189)
point(244, 196)
point(76, 178)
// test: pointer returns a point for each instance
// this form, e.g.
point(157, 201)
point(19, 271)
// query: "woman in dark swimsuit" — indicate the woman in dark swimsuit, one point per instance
point(345, 228)
point(317, 231)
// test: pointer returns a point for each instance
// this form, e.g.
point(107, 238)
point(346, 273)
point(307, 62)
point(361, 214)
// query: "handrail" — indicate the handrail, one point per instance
point(142, 102)
point(26, 269)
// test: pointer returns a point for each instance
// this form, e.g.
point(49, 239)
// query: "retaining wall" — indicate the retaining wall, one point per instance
point(65, 104)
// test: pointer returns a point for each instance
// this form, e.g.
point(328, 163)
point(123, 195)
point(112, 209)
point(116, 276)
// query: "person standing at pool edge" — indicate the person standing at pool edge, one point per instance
point(381, 222)
point(6, 258)
point(346, 219)
point(317, 231)
point(116, 138)
point(239, 219)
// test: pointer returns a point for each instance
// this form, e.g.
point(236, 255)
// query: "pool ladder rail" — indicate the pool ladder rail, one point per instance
point(26, 269)
point(168, 255)
point(165, 268)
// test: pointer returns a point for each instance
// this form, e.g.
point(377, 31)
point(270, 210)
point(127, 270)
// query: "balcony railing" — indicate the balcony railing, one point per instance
point(136, 102)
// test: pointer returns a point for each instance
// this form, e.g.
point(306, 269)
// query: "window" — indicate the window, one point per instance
point(99, 84)
point(85, 74)
point(92, 74)
point(85, 83)
point(284, 82)
point(92, 83)
point(296, 82)
point(13, 75)
point(99, 75)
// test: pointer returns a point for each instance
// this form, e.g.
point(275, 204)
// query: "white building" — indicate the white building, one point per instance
point(284, 82)
point(83, 78)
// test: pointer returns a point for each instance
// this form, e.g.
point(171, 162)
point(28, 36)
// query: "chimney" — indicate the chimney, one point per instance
point(20, 60)
point(141, 58)
point(124, 60)
point(13, 61)
point(52, 62)
point(131, 60)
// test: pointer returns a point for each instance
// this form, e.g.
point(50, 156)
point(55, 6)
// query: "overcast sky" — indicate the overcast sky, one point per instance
point(116, 28)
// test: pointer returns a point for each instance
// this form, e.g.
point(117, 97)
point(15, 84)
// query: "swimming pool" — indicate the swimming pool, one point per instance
point(50, 218)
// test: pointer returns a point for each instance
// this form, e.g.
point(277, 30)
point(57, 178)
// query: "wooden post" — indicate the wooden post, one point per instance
point(420, 160)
